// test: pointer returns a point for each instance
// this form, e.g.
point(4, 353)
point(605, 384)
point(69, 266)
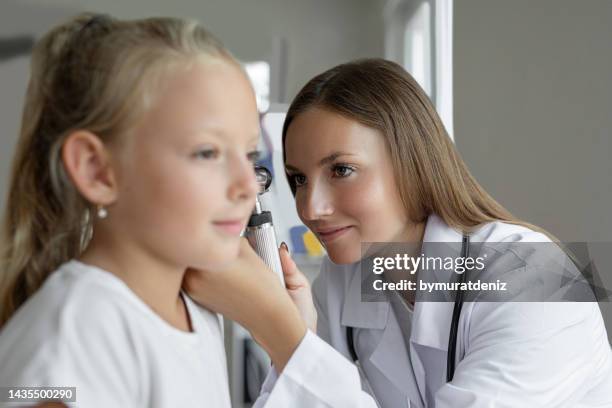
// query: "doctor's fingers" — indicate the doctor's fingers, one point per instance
point(294, 278)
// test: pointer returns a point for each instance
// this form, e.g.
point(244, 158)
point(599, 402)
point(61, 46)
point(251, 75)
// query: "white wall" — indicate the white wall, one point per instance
point(533, 111)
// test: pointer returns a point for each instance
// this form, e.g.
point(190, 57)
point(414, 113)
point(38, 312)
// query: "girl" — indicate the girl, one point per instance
point(368, 160)
point(134, 163)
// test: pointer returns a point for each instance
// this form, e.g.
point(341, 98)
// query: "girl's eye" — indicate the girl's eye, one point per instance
point(341, 170)
point(207, 154)
point(297, 180)
point(254, 156)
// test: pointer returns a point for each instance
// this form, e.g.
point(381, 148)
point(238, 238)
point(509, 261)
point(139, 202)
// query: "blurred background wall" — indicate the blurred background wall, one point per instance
point(533, 108)
point(533, 111)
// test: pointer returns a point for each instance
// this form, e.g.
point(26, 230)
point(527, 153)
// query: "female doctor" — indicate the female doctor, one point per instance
point(368, 160)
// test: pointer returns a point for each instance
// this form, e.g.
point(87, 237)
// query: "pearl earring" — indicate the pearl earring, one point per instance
point(102, 212)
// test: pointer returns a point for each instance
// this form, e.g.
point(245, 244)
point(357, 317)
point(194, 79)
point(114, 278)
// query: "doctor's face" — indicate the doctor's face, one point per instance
point(345, 186)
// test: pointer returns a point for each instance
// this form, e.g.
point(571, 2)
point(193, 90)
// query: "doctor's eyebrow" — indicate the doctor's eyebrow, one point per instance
point(324, 161)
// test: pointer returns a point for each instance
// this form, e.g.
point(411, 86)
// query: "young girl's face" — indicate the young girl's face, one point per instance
point(186, 180)
point(345, 187)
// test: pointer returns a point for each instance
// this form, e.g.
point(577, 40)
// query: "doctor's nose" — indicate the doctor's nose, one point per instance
point(315, 202)
point(242, 182)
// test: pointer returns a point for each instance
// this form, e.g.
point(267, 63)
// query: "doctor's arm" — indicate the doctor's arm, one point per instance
point(315, 376)
point(317, 372)
point(307, 372)
point(526, 354)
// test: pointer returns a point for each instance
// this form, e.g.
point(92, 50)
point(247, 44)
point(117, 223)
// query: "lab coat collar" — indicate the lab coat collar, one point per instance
point(431, 321)
point(436, 230)
point(430, 325)
point(358, 314)
point(374, 315)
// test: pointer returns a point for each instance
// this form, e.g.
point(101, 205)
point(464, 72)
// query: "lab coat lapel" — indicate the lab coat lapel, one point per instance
point(430, 326)
point(375, 316)
point(396, 367)
point(358, 314)
point(432, 320)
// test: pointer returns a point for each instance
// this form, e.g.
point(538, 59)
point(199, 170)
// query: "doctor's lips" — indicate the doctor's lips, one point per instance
point(329, 234)
point(231, 226)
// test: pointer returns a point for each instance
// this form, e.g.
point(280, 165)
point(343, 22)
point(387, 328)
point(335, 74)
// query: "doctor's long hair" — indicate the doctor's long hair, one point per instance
point(430, 174)
point(95, 73)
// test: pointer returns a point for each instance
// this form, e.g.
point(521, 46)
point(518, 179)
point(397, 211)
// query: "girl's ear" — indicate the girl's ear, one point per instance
point(87, 162)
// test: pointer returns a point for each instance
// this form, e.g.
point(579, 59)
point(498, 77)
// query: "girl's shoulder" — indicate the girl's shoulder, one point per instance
point(73, 291)
point(75, 300)
point(75, 297)
point(78, 299)
point(78, 322)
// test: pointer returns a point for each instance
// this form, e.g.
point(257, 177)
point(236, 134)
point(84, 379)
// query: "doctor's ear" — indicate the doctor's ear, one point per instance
point(88, 164)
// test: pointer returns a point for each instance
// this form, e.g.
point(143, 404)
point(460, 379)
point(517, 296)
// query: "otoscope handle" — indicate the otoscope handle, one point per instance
point(260, 234)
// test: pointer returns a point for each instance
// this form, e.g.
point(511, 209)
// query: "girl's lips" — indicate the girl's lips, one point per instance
point(230, 227)
point(330, 234)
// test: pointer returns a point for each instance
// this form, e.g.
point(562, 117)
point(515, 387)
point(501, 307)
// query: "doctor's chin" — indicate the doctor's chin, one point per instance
point(306, 204)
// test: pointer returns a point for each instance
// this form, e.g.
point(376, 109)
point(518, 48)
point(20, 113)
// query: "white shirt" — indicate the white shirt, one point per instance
point(86, 329)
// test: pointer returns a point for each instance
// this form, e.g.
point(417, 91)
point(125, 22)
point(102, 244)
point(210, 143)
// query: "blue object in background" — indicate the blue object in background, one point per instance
point(297, 240)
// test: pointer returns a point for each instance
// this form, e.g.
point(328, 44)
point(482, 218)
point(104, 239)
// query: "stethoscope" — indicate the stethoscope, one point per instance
point(452, 338)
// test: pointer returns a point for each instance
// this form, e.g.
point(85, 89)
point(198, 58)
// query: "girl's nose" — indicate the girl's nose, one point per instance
point(243, 185)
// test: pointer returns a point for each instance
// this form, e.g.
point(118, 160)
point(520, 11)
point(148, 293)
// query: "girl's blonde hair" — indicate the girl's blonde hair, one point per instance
point(96, 73)
point(430, 174)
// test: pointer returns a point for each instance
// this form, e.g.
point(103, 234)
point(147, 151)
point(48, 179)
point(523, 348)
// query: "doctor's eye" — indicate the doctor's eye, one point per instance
point(297, 180)
point(342, 170)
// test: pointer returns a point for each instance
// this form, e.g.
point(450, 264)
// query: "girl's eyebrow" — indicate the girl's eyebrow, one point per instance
point(326, 160)
point(253, 137)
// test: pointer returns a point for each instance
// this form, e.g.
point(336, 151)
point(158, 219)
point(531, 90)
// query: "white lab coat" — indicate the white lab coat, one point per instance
point(509, 354)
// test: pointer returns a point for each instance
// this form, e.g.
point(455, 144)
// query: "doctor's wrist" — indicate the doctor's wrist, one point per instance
point(280, 335)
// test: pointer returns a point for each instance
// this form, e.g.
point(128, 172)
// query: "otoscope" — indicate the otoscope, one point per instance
point(260, 229)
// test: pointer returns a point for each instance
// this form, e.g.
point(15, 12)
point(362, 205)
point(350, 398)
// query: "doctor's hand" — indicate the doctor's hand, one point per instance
point(248, 292)
point(298, 288)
